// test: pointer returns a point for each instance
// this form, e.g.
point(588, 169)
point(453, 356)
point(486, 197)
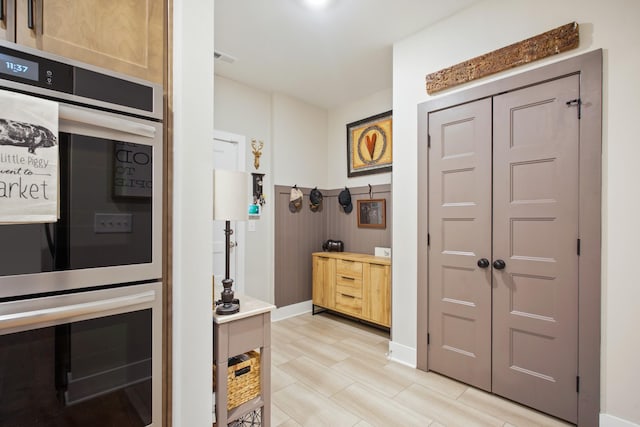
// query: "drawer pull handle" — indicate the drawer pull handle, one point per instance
point(348, 278)
point(347, 296)
point(30, 21)
point(242, 371)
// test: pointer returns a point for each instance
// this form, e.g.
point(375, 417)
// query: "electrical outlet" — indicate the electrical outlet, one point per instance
point(385, 252)
point(113, 223)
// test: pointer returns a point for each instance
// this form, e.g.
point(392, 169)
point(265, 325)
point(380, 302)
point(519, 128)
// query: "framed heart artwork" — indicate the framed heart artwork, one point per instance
point(369, 145)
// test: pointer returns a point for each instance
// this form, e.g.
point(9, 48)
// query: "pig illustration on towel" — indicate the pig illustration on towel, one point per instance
point(21, 134)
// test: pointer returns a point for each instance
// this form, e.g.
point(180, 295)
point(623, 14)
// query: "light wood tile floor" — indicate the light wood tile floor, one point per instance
point(330, 371)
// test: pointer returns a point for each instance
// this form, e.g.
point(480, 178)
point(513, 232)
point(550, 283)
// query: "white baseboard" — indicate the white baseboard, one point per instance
point(292, 310)
point(402, 354)
point(607, 420)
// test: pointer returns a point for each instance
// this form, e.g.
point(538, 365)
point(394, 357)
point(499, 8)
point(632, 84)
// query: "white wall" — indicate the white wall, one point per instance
point(244, 110)
point(299, 138)
point(376, 103)
point(492, 24)
point(192, 210)
point(295, 135)
point(247, 111)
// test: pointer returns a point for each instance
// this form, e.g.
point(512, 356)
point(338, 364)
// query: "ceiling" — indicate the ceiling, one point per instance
point(324, 57)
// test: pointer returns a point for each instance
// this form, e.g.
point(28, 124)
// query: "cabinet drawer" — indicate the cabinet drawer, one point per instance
point(349, 268)
point(348, 303)
point(354, 291)
point(346, 282)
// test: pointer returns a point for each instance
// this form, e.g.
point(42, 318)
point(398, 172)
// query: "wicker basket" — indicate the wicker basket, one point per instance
point(243, 379)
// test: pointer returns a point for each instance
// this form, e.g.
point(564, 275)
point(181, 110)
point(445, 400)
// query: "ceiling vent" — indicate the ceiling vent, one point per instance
point(224, 57)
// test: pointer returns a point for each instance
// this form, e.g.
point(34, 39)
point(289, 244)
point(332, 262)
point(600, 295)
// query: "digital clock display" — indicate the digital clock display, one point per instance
point(18, 67)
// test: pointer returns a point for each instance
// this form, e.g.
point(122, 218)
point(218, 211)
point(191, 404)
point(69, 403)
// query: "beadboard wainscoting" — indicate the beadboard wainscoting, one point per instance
point(299, 234)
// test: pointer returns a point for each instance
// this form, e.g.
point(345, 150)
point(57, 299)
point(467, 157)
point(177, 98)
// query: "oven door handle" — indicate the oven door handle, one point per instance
point(74, 114)
point(53, 315)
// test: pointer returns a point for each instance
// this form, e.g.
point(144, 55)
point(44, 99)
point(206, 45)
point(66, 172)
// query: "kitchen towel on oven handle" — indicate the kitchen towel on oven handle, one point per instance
point(28, 159)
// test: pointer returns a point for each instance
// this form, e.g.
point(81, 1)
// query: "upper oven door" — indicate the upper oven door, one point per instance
point(110, 226)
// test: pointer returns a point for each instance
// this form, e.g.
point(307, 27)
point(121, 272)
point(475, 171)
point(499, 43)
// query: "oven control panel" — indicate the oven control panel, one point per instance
point(25, 68)
point(91, 85)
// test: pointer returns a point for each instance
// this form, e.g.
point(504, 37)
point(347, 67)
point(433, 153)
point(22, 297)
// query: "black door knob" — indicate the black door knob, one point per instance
point(483, 263)
point(499, 264)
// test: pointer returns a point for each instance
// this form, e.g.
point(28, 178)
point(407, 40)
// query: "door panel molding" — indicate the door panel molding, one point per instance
point(460, 227)
point(588, 67)
point(535, 352)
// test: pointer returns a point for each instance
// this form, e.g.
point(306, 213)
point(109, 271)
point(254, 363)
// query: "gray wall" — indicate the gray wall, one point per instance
point(298, 235)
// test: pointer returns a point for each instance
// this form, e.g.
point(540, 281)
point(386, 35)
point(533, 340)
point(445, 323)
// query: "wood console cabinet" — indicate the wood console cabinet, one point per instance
point(120, 35)
point(358, 285)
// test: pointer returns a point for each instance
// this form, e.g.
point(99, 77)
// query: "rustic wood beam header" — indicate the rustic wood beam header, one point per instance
point(552, 42)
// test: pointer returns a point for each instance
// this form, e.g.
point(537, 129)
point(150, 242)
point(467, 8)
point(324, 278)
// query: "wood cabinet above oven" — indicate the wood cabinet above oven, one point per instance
point(119, 35)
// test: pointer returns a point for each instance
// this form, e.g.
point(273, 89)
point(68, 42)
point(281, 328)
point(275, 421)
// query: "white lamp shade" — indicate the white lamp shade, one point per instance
point(230, 195)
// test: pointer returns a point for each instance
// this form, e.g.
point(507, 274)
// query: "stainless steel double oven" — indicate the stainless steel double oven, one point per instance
point(81, 298)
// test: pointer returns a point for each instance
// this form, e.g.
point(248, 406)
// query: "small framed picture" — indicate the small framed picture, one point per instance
point(372, 213)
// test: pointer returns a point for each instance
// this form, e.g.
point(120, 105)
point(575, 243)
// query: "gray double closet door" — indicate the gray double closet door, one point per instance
point(503, 253)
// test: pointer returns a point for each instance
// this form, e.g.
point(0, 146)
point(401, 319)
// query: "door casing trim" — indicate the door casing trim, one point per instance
point(589, 67)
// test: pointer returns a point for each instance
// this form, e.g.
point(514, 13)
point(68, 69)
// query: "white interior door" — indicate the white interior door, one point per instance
point(229, 154)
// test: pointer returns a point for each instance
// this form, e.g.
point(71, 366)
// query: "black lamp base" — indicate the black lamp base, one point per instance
point(229, 308)
point(228, 304)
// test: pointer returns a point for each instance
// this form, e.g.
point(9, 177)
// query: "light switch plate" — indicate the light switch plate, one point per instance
point(113, 223)
point(385, 252)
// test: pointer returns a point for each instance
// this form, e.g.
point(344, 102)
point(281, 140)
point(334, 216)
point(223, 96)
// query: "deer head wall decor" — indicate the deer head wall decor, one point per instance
point(257, 151)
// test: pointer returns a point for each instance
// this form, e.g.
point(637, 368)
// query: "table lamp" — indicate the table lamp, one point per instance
point(229, 204)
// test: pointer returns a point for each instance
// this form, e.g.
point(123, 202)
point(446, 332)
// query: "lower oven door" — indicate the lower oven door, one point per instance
point(83, 359)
